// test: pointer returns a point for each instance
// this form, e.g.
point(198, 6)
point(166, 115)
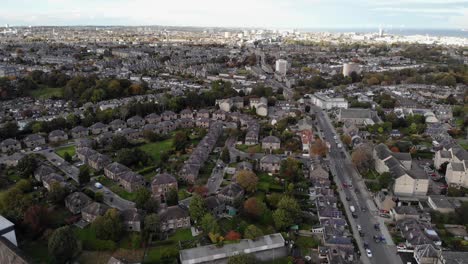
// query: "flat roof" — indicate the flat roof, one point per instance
point(245, 246)
point(5, 223)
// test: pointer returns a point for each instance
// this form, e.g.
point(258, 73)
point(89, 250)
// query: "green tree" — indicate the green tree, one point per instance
point(67, 157)
point(26, 166)
point(119, 142)
point(241, 259)
point(84, 175)
point(181, 140)
point(225, 157)
point(57, 193)
point(109, 226)
point(152, 224)
point(142, 195)
point(172, 197)
point(290, 169)
point(197, 208)
point(63, 245)
point(252, 232)
point(209, 224)
point(282, 219)
point(291, 206)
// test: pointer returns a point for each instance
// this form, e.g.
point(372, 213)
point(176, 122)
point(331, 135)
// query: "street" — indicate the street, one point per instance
point(353, 191)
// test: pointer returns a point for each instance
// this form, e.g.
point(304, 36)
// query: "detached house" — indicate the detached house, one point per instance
point(114, 170)
point(90, 212)
point(98, 161)
point(131, 181)
point(34, 140)
point(83, 154)
point(98, 128)
point(168, 116)
point(271, 143)
point(231, 193)
point(174, 217)
point(270, 163)
point(79, 132)
point(457, 167)
point(57, 136)
point(76, 201)
point(117, 124)
point(10, 145)
point(186, 113)
point(162, 184)
point(153, 118)
point(135, 122)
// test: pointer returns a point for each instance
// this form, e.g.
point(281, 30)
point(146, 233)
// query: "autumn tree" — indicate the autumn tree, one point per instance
point(36, 218)
point(247, 180)
point(232, 236)
point(362, 158)
point(290, 169)
point(252, 232)
point(346, 139)
point(319, 148)
point(253, 207)
point(201, 190)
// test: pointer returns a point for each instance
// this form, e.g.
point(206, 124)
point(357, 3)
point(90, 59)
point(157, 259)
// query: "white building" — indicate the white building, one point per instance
point(325, 102)
point(281, 67)
point(350, 67)
point(7, 230)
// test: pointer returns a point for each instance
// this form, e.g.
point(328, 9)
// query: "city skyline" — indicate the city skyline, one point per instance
point(451, 14)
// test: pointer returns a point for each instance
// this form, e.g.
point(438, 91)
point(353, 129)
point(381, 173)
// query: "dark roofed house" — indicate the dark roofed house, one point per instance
point(359, 116)
point(219, 115)
point(215, 206)
point(186, 113)
point(168, 116)
point(131, 181)
point(153, 118)
point(271, 143)
point(49, 179)
point(98, 128)
point(132, 219)
point(184, 123)
point(105, 138)
point(135, 121)
point(230, 193)
point(34, 140)
point(90, 212)
point(117, 124)
point(174, 217)
point(244, 165)
point(162, 183)
point(131, 134)
point(79, 132)
point(114, 170)
point(98, 161)
point(270, 163)
point(203, 113)
point(57, 136)
point(42, 171)
point(77, 201)
point(10, 144)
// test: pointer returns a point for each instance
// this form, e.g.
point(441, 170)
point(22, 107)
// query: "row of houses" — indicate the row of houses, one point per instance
point(456, 158)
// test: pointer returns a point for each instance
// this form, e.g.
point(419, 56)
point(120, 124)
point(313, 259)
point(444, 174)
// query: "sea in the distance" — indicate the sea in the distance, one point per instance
point(400, 31)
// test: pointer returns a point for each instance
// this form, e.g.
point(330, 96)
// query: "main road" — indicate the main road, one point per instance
point(353, 191)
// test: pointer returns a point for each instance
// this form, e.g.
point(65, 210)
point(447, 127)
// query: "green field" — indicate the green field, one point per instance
point(91, 242)
point(47, 92)
point(61, 151)
point(155, 149)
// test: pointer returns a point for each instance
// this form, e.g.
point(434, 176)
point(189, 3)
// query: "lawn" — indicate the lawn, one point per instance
point(155, 254)
point(267, 182)
point(306, 243)
point(155, 149)
point(91, 242)
point(115, 188)
point(61, 151)
point(47, 92)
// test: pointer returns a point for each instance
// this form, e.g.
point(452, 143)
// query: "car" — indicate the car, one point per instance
point(401, 246)
point(359, 228)
point(363, 209)
point(369, 253)
point(98, 185)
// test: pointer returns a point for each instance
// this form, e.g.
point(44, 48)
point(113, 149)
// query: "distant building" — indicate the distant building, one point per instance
point(325, 102)
point(351, 67)
point(281, 67)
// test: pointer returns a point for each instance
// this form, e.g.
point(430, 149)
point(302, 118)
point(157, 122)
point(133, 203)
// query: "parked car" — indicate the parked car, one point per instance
point(369, 253)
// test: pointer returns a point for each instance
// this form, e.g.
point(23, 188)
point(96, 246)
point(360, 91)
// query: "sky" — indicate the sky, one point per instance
point(447, 14)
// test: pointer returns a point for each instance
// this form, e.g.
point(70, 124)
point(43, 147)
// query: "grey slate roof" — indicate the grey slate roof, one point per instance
point(163, 178)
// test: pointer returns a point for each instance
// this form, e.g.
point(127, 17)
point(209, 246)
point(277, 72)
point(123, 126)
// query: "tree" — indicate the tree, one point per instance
point(252, 232)
point(197, 208)
point(201, 190)
point(209, 224)
point(26, 166)
point(362, 158)
point(57, 193)
point(152, 224)
point(385, 180)
point(63, 244)
point(142, 195)
point(225, 157)
point(443, 168)
point(232, 236)
point(109, 226)
point(36, 218)
point(241, 259)
point(181, 140)
point(291, 206)
point(172, 197)
point(290, 169)
point(119, 142)
point(247, 180)
point(13, 203)
point(319, 148)
point(84, 175)
point(346, 139)
point(282, 219)
point(67, 157)
point(253, 207)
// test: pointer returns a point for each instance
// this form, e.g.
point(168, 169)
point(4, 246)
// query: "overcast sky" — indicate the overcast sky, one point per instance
point(240, 13)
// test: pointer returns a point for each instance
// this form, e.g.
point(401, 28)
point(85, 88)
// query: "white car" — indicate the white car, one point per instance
point(369, 253)
point(359, 228)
